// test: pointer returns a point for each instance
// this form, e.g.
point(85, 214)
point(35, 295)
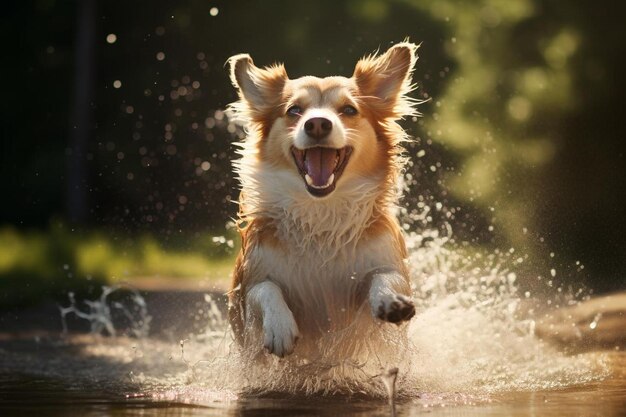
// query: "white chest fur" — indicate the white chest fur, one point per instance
point(323, 286)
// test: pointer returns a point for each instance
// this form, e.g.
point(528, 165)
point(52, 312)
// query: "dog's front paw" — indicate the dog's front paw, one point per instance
point(394, 308)
point(280, 334)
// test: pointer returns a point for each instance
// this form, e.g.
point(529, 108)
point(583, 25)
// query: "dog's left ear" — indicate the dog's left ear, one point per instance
point(385, 79)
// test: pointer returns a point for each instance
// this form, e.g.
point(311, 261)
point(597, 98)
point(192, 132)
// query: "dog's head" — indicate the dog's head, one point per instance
point(332, 130)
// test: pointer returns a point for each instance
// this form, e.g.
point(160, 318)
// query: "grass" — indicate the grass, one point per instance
point(35, 265)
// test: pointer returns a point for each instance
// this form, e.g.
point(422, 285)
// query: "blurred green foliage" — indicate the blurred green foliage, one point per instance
point(528, 115)
point(36, 264)
point(498, 113)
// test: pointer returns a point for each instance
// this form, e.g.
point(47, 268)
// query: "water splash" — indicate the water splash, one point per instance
point(101, 315)
point(475, 332)
point(473, 336)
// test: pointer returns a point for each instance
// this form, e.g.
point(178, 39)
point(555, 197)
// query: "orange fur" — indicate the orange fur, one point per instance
point(289, 235)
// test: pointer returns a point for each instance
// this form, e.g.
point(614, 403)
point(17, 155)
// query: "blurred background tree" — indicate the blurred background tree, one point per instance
point(532, 114)
point(521, 137)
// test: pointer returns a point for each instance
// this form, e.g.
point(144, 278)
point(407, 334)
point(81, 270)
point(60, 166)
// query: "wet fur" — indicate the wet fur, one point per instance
point(311, 266)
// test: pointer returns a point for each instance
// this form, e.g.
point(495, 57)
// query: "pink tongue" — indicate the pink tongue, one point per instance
point(320, 164)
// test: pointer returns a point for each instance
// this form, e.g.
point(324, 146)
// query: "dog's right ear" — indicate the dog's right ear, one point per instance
point(260, 88)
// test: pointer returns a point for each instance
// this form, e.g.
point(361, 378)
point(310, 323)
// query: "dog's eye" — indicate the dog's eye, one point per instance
point(348, 110)
point(294, 111)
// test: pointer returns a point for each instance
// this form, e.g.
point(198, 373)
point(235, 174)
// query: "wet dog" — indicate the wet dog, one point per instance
point(322, 250)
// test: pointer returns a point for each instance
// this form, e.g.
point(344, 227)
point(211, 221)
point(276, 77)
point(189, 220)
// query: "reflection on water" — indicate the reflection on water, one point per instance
point(123, 375)
point(28, 395)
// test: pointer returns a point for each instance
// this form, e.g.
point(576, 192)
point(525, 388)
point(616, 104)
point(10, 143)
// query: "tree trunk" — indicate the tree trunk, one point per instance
point(81, 123)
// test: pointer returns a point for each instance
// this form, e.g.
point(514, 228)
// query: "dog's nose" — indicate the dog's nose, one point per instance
point(318, 127)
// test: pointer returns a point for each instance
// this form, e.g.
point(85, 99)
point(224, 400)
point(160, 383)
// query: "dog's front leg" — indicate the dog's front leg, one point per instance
point(280, 331)
point(389, 296)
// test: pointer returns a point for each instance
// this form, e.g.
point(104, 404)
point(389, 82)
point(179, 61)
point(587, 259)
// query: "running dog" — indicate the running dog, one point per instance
point(322, 249)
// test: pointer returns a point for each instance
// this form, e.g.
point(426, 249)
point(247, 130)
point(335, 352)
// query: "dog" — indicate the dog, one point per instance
point(322, 251)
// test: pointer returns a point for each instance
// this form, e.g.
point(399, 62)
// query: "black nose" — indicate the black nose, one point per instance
point(318, 127)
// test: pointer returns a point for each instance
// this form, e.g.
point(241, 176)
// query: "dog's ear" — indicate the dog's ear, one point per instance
point(259, 87)
point(384, 80)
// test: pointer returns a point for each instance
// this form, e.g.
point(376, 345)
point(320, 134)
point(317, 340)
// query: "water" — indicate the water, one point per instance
point(99, 390)
point(472, 349)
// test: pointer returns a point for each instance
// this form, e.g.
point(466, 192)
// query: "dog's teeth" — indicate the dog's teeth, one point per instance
point(309, 181)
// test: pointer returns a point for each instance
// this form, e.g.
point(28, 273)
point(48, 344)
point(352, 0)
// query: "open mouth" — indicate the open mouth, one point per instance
point(321, 167)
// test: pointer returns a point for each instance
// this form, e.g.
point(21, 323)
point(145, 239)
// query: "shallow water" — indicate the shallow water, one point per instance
point(51, 378)
point(51, 374)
